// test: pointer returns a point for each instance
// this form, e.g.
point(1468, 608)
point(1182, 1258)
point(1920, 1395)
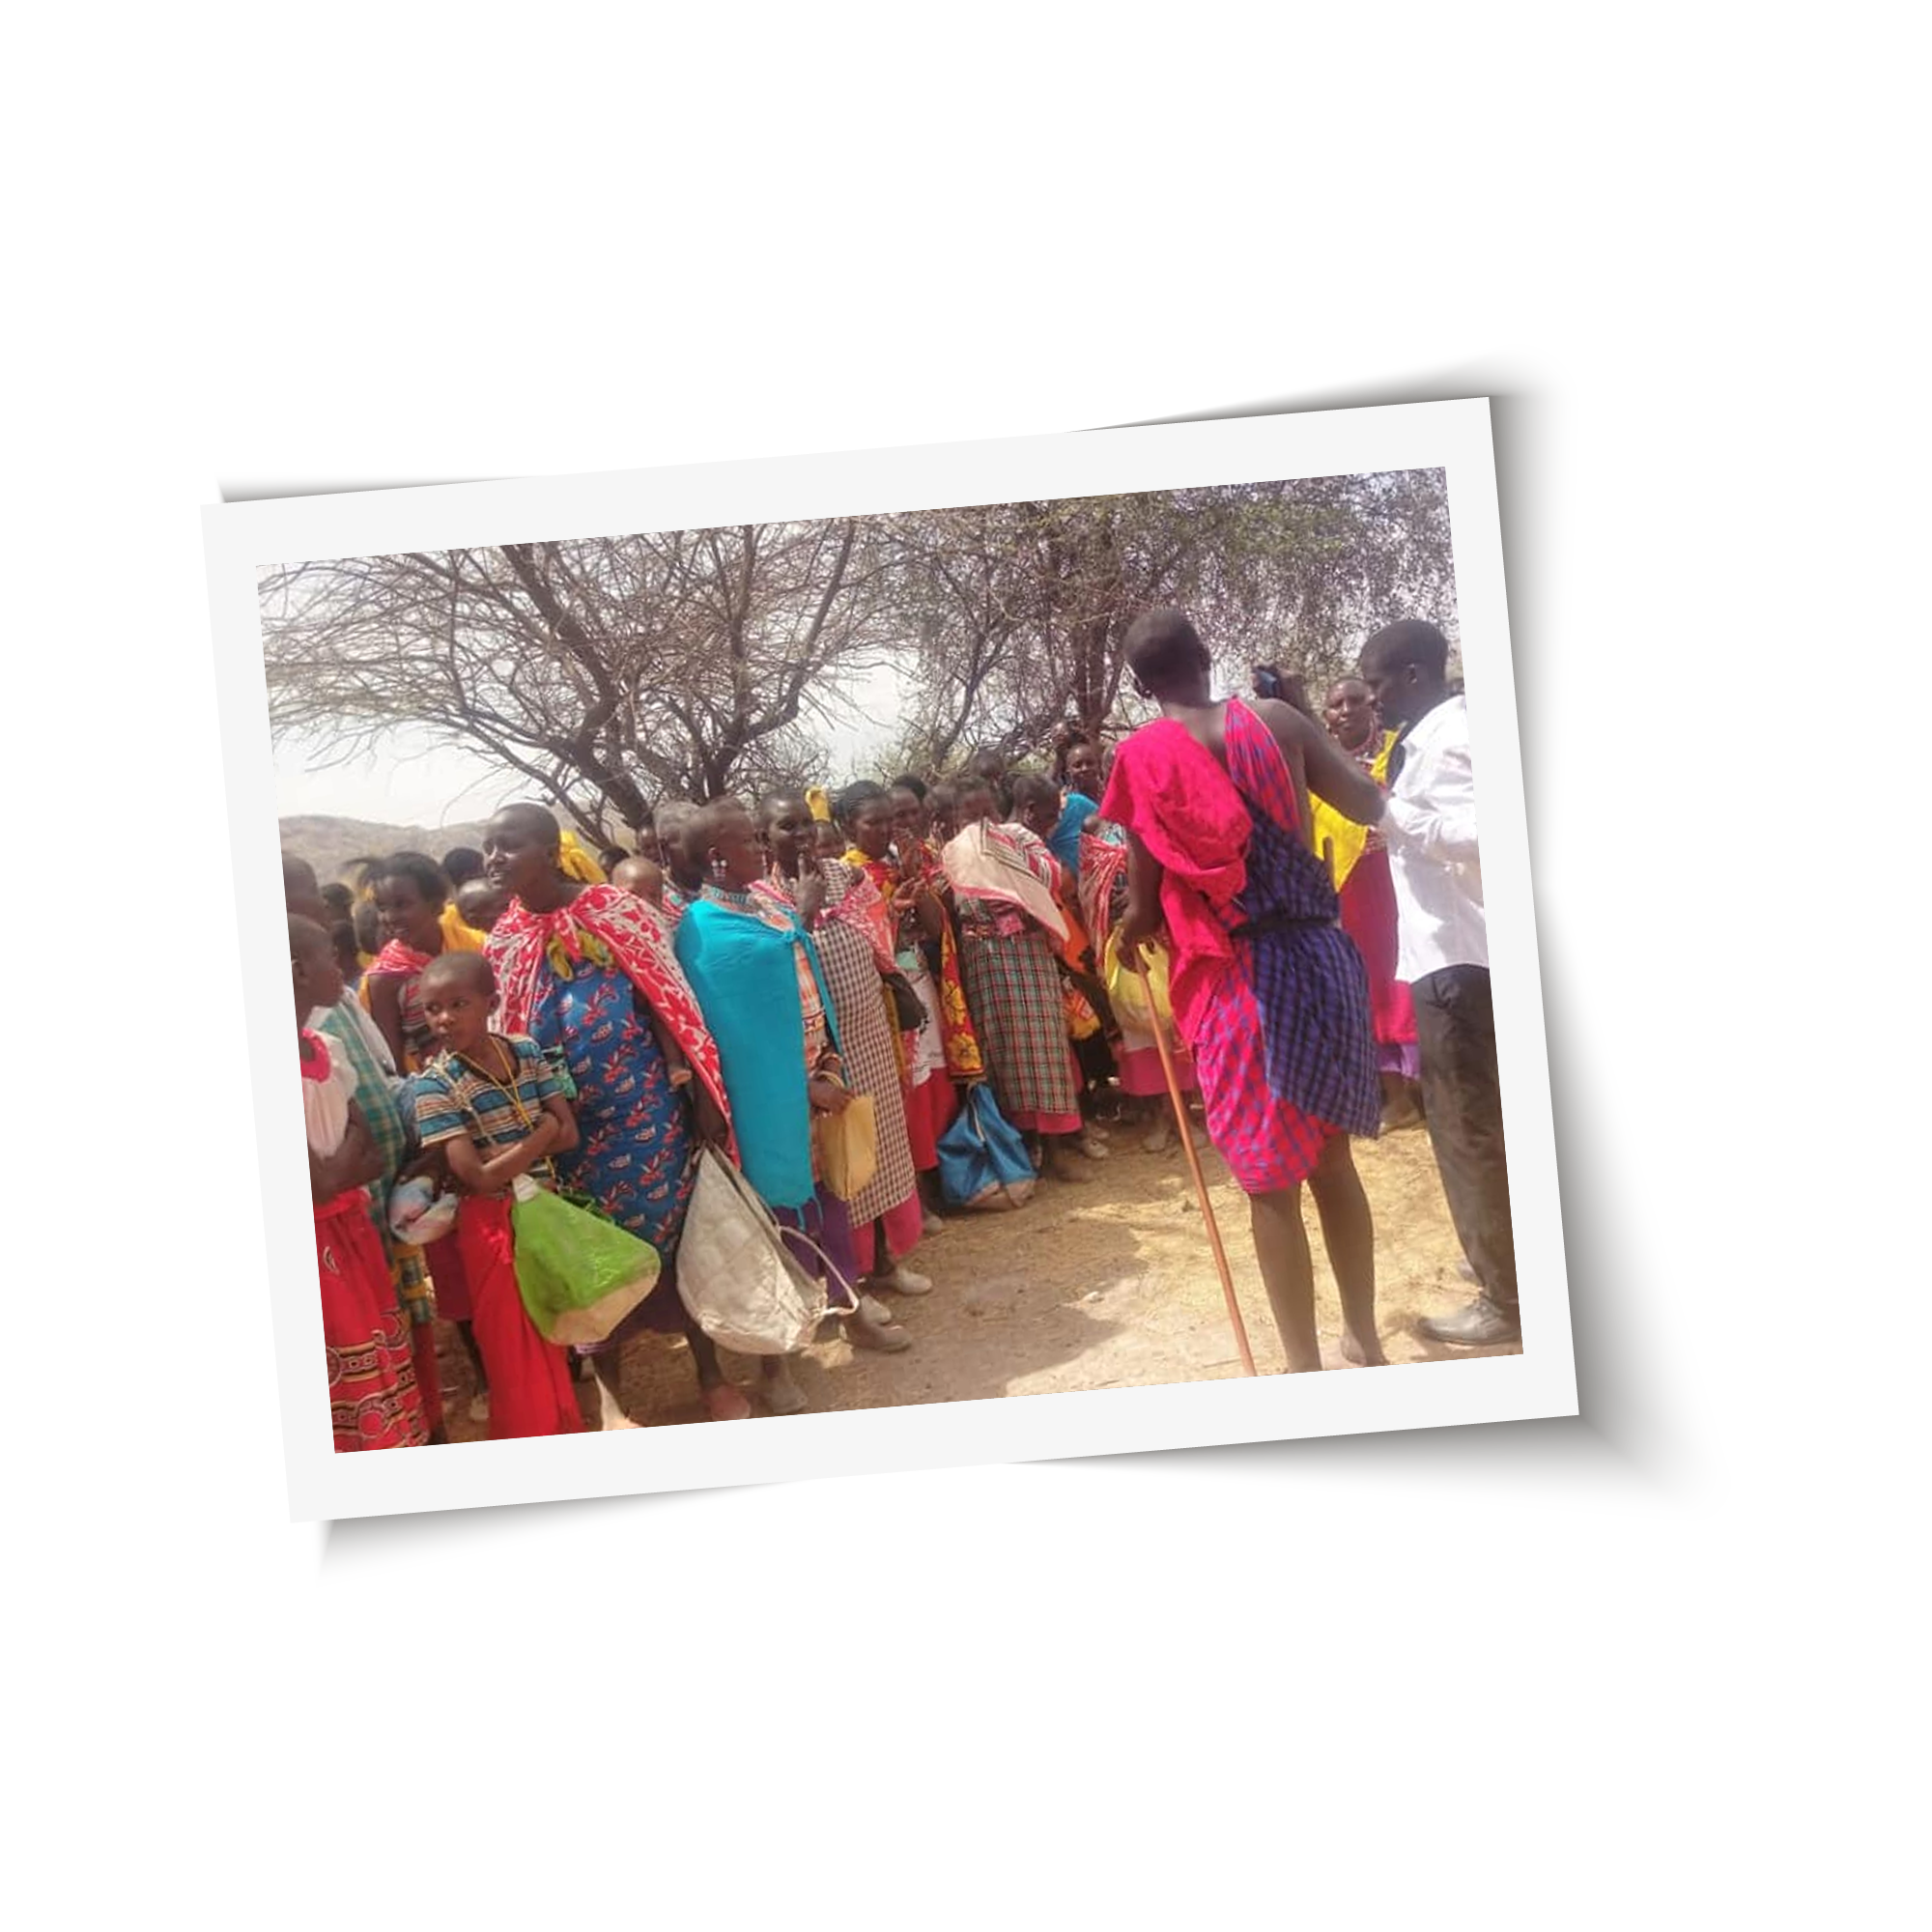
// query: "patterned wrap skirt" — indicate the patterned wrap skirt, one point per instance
point(373, 1399)
point(1012, 985)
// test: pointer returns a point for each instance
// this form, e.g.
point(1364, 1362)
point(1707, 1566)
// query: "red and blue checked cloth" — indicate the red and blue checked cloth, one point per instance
point(1282, 1042)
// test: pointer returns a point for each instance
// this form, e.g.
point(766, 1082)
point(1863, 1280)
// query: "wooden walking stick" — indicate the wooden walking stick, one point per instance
point(1186, 1127)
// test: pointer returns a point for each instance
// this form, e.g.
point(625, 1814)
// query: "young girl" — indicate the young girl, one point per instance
point(373, 1399)
point(495, 1106)
point(411, 893)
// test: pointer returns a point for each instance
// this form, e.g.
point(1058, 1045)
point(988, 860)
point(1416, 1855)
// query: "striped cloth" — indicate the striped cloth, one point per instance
point(1012, 985)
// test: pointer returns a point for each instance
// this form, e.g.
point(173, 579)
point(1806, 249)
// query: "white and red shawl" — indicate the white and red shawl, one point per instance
point(1009, 865)
point(605, 927)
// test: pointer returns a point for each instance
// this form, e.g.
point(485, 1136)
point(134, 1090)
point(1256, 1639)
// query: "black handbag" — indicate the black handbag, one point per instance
point(907, 1005)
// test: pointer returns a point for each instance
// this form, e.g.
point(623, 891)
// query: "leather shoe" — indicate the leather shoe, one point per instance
point(1482, 1323)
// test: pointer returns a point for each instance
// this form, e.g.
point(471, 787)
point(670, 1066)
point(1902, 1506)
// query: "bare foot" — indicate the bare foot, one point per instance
point(1363, 1357)
point(1061, 1168)
point(782, 1395)
point(727, 1404)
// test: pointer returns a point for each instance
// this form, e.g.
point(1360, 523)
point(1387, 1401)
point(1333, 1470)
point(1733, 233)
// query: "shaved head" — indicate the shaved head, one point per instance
point(468, 970)
point(1165, 652)
point(640, 877)
point(533, 821)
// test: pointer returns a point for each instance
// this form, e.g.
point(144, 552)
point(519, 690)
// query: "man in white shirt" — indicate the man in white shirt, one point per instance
point(1429, 824)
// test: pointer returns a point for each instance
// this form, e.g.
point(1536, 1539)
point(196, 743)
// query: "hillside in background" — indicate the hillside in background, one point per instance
point(330, 844)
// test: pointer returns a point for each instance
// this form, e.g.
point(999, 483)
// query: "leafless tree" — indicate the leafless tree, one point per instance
point(609, 672)
point(613, 672)
point(1018, 614)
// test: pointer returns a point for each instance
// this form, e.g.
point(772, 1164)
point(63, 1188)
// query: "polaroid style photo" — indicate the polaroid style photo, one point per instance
point(889, 959)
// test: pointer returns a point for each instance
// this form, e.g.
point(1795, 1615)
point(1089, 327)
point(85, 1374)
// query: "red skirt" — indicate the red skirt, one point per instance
point(530, 1390)
point(1368, 918)
point(930, 1110)
point(447, 1281)
point(373, 1399)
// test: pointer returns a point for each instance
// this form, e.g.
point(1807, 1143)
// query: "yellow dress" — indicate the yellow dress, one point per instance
point(1340, 841)
point(458, 937)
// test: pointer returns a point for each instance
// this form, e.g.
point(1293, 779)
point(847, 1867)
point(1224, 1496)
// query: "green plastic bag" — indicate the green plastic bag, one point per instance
point(579, 1274)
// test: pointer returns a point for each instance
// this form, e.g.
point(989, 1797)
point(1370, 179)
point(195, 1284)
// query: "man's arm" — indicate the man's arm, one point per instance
point(1327, 771)
point(1443, 824)
point(1142, 918)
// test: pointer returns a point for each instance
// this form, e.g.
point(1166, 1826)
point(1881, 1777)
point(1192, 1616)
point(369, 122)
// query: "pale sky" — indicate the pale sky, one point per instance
point(413, 781)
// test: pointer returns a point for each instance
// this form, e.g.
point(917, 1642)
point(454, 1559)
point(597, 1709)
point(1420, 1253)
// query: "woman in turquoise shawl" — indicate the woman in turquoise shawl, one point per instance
point(757, 978)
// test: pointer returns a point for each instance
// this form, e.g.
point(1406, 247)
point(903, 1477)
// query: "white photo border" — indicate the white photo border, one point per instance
point(1453, 436)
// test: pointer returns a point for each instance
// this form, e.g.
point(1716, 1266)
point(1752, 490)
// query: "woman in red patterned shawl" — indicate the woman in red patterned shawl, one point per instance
point(1010, 931)
point(1268, 989)
point(588, 972)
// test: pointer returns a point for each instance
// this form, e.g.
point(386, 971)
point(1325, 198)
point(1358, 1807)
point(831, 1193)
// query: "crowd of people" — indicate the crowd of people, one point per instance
point(1291, 903)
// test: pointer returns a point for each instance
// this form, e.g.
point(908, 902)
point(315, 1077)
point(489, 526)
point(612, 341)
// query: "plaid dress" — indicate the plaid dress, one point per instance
point(1013, 986)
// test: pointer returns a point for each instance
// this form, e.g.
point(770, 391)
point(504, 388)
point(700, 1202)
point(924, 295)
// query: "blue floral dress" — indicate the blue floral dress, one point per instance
point(636, 1142)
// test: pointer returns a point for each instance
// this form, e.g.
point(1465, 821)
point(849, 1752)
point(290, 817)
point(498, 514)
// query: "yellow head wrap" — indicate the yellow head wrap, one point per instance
point(575, 863)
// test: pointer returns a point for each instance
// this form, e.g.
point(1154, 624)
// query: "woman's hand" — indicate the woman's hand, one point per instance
point(811, 897)
point(827, 1096)
point(1139, 929)
point(708, 1117)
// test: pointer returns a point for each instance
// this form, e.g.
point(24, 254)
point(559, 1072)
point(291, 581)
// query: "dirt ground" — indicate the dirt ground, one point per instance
point(1105, 1285)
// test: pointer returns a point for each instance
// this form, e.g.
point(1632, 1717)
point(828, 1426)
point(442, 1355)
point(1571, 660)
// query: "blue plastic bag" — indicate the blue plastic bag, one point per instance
point(982, 1161)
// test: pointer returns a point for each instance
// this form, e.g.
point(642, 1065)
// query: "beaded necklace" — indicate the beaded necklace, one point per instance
point(506, 1085)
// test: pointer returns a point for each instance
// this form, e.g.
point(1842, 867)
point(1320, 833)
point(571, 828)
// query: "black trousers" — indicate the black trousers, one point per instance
point(1456, 1029)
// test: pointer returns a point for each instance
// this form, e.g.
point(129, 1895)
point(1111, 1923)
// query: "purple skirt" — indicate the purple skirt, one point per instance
point(823, 1220)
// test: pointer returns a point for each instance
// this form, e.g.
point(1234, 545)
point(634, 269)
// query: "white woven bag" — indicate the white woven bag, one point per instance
point(739, 1281)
